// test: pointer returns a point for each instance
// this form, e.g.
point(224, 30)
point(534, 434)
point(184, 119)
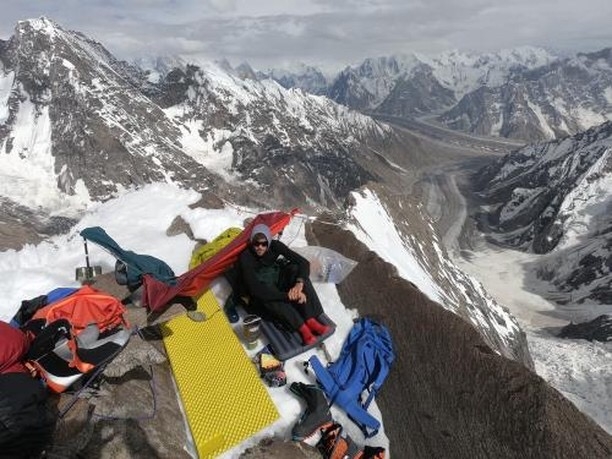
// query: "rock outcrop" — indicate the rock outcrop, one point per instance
point(449, 394)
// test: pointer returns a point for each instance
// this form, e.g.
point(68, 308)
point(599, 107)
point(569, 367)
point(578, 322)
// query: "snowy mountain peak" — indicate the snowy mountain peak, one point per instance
point(69, 109)
point(604, 55)
point(245, 71)
point(373, 67)
point(391, 82)
point(41, 25)
point(300, 76)
point(157, 67)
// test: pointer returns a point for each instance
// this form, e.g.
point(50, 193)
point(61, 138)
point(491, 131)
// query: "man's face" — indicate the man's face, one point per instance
point(260, 246)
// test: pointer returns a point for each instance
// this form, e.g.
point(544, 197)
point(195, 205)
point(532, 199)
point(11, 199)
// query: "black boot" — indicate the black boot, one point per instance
point(317, 415)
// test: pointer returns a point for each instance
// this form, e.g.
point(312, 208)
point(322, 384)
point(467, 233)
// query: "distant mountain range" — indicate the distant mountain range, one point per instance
point(524, 93)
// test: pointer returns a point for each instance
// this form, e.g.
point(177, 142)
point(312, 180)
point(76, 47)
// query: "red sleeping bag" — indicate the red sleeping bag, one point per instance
point(14, 345)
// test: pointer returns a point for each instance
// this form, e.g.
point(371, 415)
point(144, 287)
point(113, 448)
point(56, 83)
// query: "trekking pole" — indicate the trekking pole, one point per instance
point(325, 352)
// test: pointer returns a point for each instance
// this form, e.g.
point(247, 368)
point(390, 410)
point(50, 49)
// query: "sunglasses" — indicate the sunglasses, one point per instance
point(259, 243)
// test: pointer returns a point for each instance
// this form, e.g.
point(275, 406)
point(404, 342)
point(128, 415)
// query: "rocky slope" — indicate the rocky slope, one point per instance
point(420, 257)
point(458, 398)
point(296, 147)
point(73, 116)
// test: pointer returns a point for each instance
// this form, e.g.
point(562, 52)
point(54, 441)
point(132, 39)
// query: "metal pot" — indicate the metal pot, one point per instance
point(86, 274)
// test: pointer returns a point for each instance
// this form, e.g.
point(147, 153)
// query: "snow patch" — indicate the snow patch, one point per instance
point(580, 370)
point(543, 122)
point(587, 118)
point(6, 85)
point(375, 228)
point(28, 167)
point(589, 199)
point(215, 152)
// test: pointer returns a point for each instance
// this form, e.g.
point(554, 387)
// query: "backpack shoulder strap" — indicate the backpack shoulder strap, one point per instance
point(382, 347)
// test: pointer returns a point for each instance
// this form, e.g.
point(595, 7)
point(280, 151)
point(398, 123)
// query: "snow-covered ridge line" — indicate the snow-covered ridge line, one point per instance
point(423, 262)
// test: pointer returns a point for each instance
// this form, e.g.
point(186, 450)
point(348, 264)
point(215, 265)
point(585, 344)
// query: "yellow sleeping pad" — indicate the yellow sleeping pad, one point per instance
point(224, 399)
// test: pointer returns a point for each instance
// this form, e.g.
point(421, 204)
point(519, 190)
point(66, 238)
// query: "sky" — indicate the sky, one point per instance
point(137, 220)
point(328, 34)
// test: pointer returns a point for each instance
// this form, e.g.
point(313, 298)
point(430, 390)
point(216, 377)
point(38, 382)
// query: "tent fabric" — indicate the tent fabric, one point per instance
point(157, 294)
point(138, 264)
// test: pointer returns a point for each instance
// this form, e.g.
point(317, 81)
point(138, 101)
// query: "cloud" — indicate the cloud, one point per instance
point(321, 32)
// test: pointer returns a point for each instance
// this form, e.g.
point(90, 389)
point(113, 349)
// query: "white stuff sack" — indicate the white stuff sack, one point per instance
point(326, 265)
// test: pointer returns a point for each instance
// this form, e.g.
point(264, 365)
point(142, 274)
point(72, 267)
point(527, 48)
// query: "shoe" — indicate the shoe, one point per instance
point(334, 443)
point(317, 327)
point(316, 416)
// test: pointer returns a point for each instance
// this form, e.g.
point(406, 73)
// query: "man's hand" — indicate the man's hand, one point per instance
point(296, 294)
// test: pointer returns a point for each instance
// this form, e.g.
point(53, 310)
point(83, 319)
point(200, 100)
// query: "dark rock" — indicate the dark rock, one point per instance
point(421, 93)
point(598, 329)
point(448, 395)
point(277, 449)
point(508, 110)
point(20, 225)
point(179, 226)
point(135, 412)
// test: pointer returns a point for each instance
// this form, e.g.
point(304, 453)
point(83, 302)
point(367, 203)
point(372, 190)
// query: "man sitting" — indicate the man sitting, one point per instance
point(277, 280)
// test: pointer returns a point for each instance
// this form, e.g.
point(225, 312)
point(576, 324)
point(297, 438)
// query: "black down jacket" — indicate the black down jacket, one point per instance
point(27, 421)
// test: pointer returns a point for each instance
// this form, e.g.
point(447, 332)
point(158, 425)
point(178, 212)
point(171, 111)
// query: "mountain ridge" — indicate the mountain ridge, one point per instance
point(554, 198)
point(522, 93)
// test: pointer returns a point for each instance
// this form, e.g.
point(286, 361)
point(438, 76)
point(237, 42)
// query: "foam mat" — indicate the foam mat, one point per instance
point(224, 399)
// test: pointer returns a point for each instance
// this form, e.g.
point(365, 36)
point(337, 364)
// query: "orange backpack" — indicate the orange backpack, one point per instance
point(84, 307)
point(76, 334)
